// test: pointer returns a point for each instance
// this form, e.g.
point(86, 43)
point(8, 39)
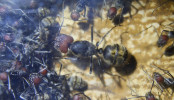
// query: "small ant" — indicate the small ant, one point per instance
point(148, 95)
point(162, 81)
point(163, 38)
point(80, 6)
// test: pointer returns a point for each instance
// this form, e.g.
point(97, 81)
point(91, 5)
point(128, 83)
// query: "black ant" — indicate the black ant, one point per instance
point(80, 6)
point(163, 38)
point(113, 54)
point(169, 51)
point(162, 81)
point(148, 95)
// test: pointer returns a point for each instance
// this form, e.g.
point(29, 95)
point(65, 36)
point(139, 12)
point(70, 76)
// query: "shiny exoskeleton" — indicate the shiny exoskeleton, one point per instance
point(169, 51)
point(80, 6)
point(113, 54)
point(164, 37)
point(163, 81)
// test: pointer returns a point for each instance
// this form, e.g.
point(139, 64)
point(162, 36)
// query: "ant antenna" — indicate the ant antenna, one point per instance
point(9, 87)
point(159, 6)
point(63, 18)
point(143, 30)
point(98, 43)
point(152, 78)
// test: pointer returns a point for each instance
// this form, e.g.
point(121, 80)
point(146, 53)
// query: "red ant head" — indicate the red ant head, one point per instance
point(162, 40)
point(112, 12)
point(43, 71)
point(158, 77)
point(75, 15)
point(35, 78)
point(8, 37)
point(150, 96)
point(62, 42)
point(3, 76)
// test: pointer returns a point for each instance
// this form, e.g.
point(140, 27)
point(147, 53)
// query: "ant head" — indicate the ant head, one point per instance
point(43, 71)
point(112, 12)
point(3, 76)
point(158, 77)
point(162, 40)
point(8, 37)
point(35, 78)
point(75, 15)
point(150, 96)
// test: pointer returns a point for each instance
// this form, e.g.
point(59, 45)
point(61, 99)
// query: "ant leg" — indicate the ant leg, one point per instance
point(63, 18)
point(91, 58)
point(91, 64)
point(9, 87)
point(60, 68)
point(98, 43)
point(143, 30)
point(42, 52)
point(159, 86)
point(84, 12)
point(165, 71)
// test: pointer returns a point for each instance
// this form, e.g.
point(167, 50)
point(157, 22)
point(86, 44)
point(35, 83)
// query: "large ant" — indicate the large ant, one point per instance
point(113, 54)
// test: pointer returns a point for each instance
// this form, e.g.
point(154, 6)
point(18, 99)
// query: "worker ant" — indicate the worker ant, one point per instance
point(148, 95)
point(164, 37)
point(80, 6)
point(163, 82)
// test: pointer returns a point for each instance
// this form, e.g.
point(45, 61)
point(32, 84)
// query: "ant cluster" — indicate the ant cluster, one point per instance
point(30, 43)
point(27, 53)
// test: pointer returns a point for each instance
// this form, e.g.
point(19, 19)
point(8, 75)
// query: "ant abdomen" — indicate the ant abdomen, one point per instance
point(83, 49)
point(115, 54)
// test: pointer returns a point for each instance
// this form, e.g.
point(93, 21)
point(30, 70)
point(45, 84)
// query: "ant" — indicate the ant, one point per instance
point(163, 38)
point(113, 54)
point(163, 82)
point(80, 6)
point(149, 95)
